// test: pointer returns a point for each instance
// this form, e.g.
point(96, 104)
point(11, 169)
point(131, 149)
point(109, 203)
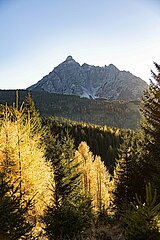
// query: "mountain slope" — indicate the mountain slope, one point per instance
point(122, 114)
point(90, 81)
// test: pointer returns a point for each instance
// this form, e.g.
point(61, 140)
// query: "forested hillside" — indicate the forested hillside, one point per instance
point(121, 114)
point(103, 141)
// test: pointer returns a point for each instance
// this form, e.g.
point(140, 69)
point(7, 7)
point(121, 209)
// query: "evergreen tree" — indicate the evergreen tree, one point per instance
point(13, 211)
point(70, 211)
point(60, 153)
point(141, 221)
point(150, 125)
point(128, 178)
point(139, 162)
point(32, 113)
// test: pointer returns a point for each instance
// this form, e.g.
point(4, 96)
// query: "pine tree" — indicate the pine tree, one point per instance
point(138, 162)
point(60, 153)
point(150, 125)
point(13, 210)
point(141, 220)
point(70, 211)
point(32, 113)
point(128, 179)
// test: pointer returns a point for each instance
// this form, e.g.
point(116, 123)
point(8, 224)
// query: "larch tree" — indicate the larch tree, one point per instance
point(22, 156)
point(104, 185)
point(85, 158)
point(95, 177)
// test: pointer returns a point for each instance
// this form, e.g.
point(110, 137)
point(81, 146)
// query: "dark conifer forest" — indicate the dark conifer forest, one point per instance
point(117, 113)
point(64, 179)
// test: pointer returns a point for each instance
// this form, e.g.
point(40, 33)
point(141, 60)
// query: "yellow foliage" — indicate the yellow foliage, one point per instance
point(22, 156)
point(94, 176)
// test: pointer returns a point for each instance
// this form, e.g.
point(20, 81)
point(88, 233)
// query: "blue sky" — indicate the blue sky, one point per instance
point(37, 35)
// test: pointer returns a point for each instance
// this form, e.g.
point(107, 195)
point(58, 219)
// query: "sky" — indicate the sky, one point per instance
point(37, 35)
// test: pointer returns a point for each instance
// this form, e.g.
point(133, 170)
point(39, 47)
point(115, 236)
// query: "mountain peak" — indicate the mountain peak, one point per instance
point(69, 58)
point(112, 66)
point(90, 81)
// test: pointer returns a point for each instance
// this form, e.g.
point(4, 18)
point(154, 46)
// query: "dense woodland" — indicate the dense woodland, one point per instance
point(65, 180)
point(103, 141)
point(120, 114)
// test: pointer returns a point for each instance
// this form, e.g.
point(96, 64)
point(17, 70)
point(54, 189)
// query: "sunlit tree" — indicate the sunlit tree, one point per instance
point(22, 156)
point(95, 177)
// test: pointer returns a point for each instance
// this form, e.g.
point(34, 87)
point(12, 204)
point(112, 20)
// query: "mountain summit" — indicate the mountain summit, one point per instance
point(90, 81)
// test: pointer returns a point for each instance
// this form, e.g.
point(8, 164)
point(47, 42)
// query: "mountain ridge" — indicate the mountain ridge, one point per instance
point(90, 81)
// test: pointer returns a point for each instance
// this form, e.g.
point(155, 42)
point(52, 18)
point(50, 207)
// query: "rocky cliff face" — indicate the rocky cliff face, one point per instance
point(89, 81)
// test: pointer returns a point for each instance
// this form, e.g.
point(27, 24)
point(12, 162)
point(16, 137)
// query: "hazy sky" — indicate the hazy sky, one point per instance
point(37, 35)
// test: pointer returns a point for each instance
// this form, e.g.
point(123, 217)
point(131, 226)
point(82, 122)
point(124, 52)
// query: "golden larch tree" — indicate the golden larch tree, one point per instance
point(94, 177)
point(22, 157)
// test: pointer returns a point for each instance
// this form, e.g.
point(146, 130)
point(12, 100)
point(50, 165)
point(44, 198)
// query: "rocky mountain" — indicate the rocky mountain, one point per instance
point(90, 81)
